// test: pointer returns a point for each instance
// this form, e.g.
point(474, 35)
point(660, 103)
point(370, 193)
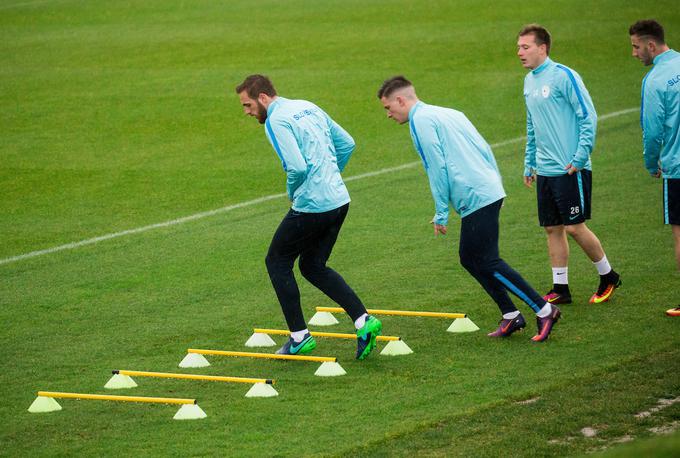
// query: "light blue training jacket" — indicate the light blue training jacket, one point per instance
point(313, 150)
point(459, 163)
point(660, 115)
point(561, 121)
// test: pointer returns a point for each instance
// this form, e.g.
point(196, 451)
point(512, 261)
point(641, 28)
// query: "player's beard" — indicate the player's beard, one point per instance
point(261, 112)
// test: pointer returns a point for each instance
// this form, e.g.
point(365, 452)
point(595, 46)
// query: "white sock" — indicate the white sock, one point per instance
point(511, 315)
point(603, 267)
point(361, 321)
point(560, 275)
point(299, 335)
point(545, 311)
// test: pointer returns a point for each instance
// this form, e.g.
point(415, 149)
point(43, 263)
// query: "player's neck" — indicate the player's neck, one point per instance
point(660, 50)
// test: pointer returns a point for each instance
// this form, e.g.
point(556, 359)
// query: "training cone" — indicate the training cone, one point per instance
point(396, 348)
point(189, 412)
point(330, 369)
point(119, 381)
point(260, 340)
point(44, 404)
point(261, 390)
point(194, 360)
point(463, 325)
point(323, 319)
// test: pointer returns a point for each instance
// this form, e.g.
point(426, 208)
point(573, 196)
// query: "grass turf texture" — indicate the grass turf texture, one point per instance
point(116, 116)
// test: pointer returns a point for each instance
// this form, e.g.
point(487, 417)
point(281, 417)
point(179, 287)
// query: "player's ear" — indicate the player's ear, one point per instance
point(651, 45)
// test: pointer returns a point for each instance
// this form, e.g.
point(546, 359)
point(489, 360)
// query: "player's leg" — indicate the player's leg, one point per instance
point(587, 240)
point(479, 255)
point(314, 257)
point(284, 248)
point(672, 217)
point(573, 194)
point(550, 219)
point(676, 237)
point(558, 249)
point(313, 267)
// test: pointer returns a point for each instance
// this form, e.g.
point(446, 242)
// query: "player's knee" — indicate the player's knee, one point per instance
point(468, 262)
point(276, 263)
point(554, 230)
point(310, 268)
point(269, 262)
point(574, 230)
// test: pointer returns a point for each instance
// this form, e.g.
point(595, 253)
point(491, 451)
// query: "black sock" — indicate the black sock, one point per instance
point(561, 289)
point(610, 277)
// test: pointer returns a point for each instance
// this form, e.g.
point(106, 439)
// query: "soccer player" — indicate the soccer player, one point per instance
point(313, 150)
point(561, 124)
point(660, 119)
point(462, 172)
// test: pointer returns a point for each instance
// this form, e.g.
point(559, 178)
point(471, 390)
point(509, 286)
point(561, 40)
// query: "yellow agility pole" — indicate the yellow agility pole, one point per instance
point(45, 402)
point(336, 335)
point(329, 365)
point(212, 378)
point(262, 387)
point(106, 397)
point(318, 359)
point(398, 312)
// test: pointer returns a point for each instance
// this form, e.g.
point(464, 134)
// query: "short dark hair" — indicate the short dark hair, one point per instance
point(541, 35)
point(393, 84)
point(255, 85)
point(648, 28)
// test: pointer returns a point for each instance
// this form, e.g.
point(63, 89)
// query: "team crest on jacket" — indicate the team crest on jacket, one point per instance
point(545, 91)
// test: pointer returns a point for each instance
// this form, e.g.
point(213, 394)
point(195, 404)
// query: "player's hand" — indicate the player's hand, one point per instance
point(571, 169)
point(529, 180)
point(657, 174)
point(439, 229)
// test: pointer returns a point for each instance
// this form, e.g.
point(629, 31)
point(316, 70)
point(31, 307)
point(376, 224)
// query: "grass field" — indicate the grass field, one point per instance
point(121, 115)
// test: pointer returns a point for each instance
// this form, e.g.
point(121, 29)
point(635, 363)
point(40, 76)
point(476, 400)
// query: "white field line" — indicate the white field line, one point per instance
point(247, 203)
point(22, 4)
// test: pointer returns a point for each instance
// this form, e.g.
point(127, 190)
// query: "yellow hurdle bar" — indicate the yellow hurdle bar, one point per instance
point(212, 378)
point(106, 397)
point(318, 359)
point(398, 312)
point(336, 335)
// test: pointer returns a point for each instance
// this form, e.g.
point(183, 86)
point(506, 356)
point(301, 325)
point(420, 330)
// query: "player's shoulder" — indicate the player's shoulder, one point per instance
point(668, 67)
point(287, 109)
point(426, 113)
point(565, 72)
point(656, 78)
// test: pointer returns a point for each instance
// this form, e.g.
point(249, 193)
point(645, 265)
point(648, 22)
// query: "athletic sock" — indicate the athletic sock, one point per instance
point(545, 311)
point(299, 335)
point(602, 266)
point(361, 321)
point(561, 289)
point(560, 275)
point(511, 315)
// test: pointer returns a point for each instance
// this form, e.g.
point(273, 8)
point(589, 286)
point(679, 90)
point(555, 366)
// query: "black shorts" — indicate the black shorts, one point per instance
point(671, 201)
point(564, 199)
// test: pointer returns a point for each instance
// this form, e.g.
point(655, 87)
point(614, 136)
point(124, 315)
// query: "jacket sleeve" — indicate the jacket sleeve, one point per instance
point(343, 143)
point(429, 147)
point(282, 138)
point(530, 150)
point(579, 98)
point(652, 116)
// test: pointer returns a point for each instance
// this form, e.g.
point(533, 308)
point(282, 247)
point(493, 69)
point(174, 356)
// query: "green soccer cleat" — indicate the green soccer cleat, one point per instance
point(366, 336)
point(298, 348)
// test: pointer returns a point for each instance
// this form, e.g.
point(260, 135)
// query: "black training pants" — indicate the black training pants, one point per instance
point(311, 237)
point(478, 251)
